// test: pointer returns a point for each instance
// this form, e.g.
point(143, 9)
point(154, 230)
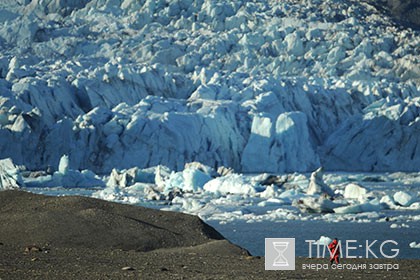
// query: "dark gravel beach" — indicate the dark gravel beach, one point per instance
point(53, 238)
point(217, 260)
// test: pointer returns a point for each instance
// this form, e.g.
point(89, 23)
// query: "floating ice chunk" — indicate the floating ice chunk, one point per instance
point(125, 178)
point(133, 194)
point(146, 175)
point(162, 174)
point(323, 240)
point(232, 183)
point(223, 171)
point(291, 195)
point(371, 206)
point(117, 179)
point(389, 201)
point(399, 226)
point(189, 180)
point(415, 205)
point(174, 182)
point(10, 177)
point(316, 205)
point(414, 245)
point(66, 177)
point(149, 192)
point(72, 179)
point(190, 205)
point(39, 181)
point(404, 198)
point(201, 167)
point(75, 178)
point(271, 202)
point(317, 185)
point(194, 179)
point(354, 191)
point(122, 179)
point(348, 209)
point(270, 192)
point(108, 193)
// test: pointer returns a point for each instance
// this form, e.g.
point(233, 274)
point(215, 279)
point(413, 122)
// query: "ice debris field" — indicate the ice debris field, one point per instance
point(249, 208)
point(253, 111)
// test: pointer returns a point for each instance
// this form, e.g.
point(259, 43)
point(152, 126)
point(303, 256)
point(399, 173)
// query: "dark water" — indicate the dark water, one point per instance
point(251, 236)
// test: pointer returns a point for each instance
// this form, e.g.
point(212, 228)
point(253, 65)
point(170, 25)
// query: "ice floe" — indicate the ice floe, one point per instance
point(403, 198)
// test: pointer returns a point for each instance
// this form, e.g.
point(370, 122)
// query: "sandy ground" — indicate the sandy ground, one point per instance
point(82, 238)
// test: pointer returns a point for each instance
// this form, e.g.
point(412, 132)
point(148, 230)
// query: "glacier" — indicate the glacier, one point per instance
point(260, 117)
point(258, 87)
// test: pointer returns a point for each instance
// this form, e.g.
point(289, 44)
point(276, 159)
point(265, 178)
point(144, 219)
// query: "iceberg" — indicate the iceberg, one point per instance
point(65, 177)
point(353, 191)
point(129, 177)
point(404, 198)
point(316, 205)
point(188, 180)
point(323, 240)
point(232, 184)
point(317, 185)
point(10, 175)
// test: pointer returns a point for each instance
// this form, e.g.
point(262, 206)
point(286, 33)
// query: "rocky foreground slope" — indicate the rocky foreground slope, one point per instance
point(264, 86)
point(80, 222)
point(45, 237)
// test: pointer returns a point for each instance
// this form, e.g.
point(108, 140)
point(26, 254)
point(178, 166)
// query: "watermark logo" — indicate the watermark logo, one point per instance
point(366, 249)
point(279, 254)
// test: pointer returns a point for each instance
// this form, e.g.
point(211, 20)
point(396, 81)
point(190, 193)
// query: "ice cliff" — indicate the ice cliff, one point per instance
point(258, 86)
